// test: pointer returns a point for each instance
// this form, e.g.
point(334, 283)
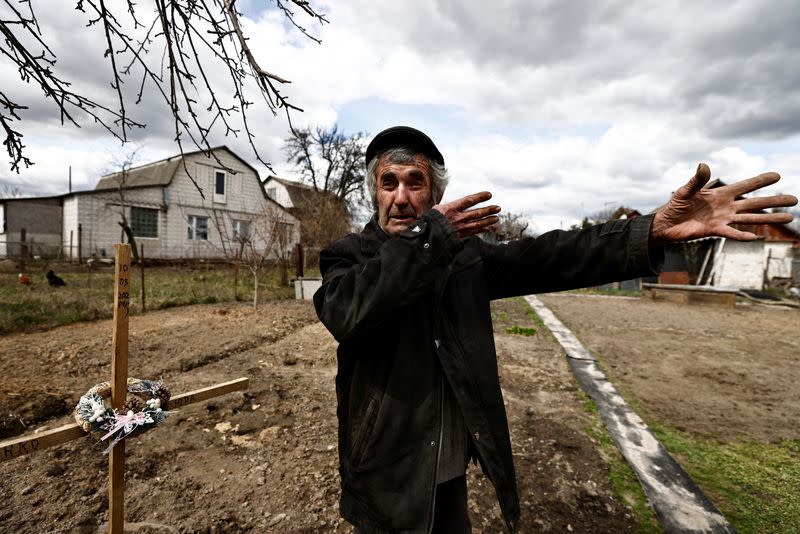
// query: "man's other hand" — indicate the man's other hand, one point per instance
point(694, 212)
point(467, 221)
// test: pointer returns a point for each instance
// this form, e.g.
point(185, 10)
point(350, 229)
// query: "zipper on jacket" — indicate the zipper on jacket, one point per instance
point(437, 306)
point(438, 449)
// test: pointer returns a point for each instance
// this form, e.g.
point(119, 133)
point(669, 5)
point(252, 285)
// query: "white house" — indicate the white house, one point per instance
point(738, 264)
point(189, 206)
point(281, 190)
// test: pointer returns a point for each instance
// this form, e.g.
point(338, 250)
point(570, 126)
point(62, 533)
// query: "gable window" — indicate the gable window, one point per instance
point(219, 186)
point(144, 222)
point(241, 229)
point(272, 192)
point(198, 228)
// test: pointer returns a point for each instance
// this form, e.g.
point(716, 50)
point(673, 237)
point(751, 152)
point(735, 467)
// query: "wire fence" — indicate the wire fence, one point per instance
point(30, 250)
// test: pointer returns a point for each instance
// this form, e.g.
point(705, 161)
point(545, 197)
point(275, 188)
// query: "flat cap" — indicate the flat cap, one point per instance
point(403, 136)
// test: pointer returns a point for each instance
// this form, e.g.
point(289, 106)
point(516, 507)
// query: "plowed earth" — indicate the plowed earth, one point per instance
point(266, 461)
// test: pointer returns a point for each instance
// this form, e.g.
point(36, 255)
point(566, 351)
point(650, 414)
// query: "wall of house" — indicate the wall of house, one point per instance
point(740, 264)
point(244, 200)
point(778, 259)
point(281, 193)
point(69, 225)
point(41, 220)
point(99, 214)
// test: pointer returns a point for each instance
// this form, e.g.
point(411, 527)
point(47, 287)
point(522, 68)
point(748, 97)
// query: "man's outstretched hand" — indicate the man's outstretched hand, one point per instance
point(694, 212)
point(467, 221)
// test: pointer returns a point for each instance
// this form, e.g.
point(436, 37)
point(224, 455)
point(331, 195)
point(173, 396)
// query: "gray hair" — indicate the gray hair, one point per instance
point(404, 155)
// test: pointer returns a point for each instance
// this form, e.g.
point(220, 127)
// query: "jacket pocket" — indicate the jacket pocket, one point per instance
point(362, 435)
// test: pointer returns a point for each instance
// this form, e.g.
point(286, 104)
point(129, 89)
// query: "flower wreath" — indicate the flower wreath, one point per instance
point(145, 406)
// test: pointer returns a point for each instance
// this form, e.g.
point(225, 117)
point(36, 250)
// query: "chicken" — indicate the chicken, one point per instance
point(54, 280)
point(25, 279)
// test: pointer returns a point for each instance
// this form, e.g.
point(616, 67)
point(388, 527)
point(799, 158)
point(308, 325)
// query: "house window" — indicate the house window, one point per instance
point(219, 186)
point(241, 229)
point(198, 228)
point(144, 222)
point(272, 192)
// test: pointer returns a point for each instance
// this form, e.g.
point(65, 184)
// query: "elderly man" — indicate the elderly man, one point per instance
point(408, 301)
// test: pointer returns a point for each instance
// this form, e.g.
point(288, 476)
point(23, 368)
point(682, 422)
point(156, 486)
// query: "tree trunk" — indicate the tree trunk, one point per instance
point(284, 267)
point(255, 290)
point(131, 240)
point(237, 264)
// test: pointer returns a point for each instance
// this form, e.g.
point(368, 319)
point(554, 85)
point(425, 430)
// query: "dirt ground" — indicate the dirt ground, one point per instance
point(265, 460)
point(722, 373)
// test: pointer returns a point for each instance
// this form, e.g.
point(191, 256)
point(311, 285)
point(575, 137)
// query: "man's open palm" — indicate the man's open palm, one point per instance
point(694, 212)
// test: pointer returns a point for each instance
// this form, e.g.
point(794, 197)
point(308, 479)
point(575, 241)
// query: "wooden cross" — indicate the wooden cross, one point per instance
point(13, 448)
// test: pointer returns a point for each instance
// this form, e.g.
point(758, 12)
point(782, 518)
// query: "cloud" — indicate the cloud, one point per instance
point(559, 108)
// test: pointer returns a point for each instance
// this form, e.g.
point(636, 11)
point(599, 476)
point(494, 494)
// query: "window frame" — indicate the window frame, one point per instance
point(192, 228)
point(236, 226)
point(219, 198)
point(136, 229)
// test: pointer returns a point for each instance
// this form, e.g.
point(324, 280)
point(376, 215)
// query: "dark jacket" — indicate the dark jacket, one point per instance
point(405, 308)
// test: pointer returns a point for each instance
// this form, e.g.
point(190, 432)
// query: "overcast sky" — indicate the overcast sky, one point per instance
point(561, 109)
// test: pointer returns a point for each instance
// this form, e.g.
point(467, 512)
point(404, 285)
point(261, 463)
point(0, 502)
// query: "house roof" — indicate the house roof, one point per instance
point(288, 183)
point(158, 173)
point(300, 194)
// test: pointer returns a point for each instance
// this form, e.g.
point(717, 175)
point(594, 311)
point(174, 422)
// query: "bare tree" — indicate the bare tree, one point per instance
point(124, 165)
point(169, 51)
point(268, 242)
point(511, 226)
point(324, 216)
point(606, 214)
point(10, 191)
point(329, 161)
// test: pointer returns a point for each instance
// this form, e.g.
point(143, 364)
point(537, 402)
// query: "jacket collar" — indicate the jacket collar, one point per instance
point(372, 236)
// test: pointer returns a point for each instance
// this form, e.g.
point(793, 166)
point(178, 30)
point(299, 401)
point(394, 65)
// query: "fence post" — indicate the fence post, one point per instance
point(141, 267)
point(300, 262)
point(23, 249)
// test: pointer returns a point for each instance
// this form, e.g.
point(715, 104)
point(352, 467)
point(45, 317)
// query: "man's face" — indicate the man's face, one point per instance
point(403, 193)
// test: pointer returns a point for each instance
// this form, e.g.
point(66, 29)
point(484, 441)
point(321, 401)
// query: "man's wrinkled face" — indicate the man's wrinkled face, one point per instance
point(403, 193)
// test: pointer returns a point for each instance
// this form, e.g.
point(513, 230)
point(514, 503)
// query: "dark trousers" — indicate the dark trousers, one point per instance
point(450, 515)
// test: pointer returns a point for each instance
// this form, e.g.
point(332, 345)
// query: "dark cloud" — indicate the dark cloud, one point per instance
point(707, 60)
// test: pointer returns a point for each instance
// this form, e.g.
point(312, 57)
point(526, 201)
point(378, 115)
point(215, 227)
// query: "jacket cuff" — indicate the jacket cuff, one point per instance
point(441, 225)
point(644, 258)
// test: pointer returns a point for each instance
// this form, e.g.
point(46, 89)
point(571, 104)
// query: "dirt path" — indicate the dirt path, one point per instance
point(722, 373)
point(266, 460)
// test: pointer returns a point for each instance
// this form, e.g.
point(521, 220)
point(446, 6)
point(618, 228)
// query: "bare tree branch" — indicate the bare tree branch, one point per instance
point(190, 37)
point(330, 161)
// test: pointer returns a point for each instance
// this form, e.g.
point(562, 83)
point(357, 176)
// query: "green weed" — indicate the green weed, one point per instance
point(520, 330)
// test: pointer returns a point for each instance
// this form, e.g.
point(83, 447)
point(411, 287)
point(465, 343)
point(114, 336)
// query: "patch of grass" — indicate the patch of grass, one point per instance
point(754, 484)
point(500, 317)
point(532, 315)
point(88, 295)
point(623, 479)
point(521, 330)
